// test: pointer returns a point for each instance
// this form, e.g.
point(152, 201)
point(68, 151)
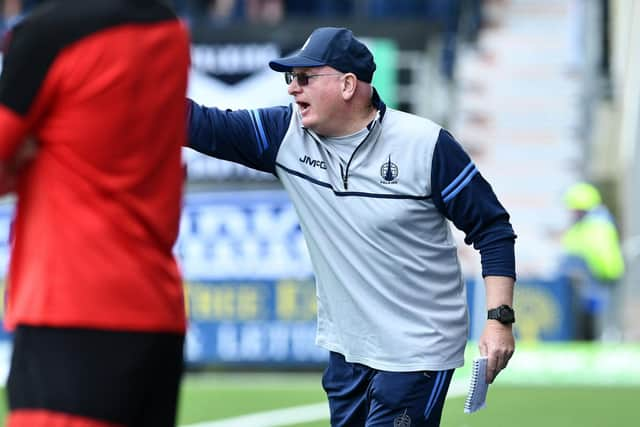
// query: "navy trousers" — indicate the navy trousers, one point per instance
point(360, 396)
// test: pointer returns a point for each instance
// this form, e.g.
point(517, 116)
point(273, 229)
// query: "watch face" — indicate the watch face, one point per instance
point(506, 314)
point(503, 314)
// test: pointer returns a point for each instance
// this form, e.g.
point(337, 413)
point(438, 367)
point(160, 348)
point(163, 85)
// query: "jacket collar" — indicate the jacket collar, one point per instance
point(378, 104)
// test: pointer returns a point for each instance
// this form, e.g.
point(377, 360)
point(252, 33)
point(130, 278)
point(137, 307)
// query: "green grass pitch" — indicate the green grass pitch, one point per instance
point(215, 396)
point(508, 406)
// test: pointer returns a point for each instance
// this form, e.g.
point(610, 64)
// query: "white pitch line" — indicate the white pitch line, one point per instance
point(278, 417)
point(297, 414)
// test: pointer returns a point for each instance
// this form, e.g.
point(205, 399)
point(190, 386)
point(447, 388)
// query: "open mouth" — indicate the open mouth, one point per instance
point(303, 106)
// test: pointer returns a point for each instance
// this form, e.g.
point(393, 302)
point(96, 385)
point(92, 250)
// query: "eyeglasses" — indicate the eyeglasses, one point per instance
point(303, 78)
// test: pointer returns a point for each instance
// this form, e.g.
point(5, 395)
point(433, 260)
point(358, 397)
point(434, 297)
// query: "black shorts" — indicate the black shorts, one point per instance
point(120, 378)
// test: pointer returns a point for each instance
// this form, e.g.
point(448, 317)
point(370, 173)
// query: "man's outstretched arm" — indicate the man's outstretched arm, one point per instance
point(248, 137)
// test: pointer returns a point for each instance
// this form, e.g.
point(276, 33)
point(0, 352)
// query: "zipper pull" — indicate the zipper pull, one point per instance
point(344, 178)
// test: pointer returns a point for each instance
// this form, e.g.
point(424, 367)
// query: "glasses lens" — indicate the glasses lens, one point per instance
point(288, 77)
point(302, 78)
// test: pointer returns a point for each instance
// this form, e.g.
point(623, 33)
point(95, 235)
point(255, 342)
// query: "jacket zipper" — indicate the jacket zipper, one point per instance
point(345, 173)
point(344, 178)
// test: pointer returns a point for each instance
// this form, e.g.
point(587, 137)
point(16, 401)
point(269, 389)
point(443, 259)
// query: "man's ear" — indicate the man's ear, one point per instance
point(349, 83)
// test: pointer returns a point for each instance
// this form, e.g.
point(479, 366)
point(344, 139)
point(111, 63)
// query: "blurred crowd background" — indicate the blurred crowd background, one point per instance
point(543, 93)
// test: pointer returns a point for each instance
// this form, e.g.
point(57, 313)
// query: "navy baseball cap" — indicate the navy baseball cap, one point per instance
point(335, 47)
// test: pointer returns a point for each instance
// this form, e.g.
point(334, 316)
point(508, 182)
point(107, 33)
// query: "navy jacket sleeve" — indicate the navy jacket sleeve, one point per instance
point(248, 137)
point(463, 196)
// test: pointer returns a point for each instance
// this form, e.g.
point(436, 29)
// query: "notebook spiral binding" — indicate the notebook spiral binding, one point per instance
point(472, 386)
point(478, 386)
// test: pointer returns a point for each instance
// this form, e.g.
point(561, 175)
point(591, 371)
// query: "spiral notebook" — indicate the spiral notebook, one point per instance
point(477, 396)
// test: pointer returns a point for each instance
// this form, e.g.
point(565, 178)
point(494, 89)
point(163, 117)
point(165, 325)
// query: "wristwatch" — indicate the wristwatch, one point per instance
point(503, 314)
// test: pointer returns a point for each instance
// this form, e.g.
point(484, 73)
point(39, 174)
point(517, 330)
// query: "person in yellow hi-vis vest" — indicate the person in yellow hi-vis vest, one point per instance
point(594, 262)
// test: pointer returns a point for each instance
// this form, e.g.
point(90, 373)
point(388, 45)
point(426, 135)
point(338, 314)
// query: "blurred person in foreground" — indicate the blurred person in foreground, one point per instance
point(94, 292)
point(594, 262)
point(373, 188)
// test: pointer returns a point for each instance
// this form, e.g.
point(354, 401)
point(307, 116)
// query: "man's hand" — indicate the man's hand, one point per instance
point(498, 344)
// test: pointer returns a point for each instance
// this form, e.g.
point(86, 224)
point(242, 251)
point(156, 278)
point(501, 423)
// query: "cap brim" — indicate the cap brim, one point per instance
point(294, 61)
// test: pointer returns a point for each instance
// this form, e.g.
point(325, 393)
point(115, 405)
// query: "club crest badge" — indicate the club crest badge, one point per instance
point(389, 172)
point(403, 420)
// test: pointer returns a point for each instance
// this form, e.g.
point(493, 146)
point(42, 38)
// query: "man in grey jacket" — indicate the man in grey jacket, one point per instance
point(375, 189)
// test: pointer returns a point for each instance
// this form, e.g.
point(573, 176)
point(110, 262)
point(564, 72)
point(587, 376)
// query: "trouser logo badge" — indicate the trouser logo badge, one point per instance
point(403, 420)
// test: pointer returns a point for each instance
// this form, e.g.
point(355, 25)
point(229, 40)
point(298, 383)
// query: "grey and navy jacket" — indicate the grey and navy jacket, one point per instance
point(389, 285)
